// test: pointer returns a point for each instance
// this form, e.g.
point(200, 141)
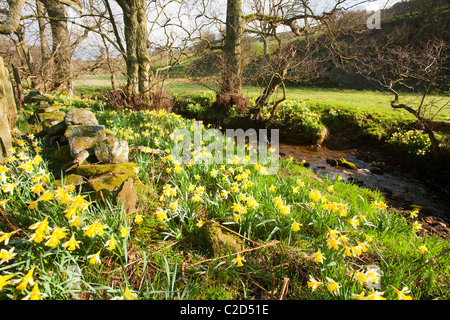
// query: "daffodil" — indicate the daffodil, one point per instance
point(318, 256)
point(138, 218)
point(94, 229)
point(5, 236)
point(75, 221)
point(111, 243)
point(28, 278)
point(41, 226)
point(3, 202)
point(95, 258)
point(129, 295)
point(333, 286)
point(315, 195)
point(35, 294)
point(422, 249)
point(375, 295)
point(238, 261)
point(47, 196)
point(417, 226)
point(5, 256)
point(72, 244)
point(4, 280)
point(38, 237)
point(161, 214)
point(295, 226)
point(313, 283)
point(124, 231)
point(200, 224)
point(402, 294)
point(360, 296)
point(9, 188)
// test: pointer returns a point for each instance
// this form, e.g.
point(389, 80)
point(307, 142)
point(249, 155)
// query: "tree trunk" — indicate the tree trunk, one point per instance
point(138, 59)
point(45, 51)
point(61, 46)
point(232, 73)
point(230, 94)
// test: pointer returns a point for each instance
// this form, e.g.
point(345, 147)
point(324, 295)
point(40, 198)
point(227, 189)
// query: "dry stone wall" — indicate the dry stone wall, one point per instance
point(89, 157)
point(8, 111)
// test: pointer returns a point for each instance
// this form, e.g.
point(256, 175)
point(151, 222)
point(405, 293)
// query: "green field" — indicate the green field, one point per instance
point(374, 102)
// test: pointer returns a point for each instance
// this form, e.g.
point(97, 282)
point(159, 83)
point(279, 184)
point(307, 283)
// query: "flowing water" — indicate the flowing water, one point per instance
point(398, 188)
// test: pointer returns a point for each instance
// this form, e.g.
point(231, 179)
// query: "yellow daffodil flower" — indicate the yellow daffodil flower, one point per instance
point(402, 294)
point(72, 244)
point(95, 258)
point(111, 243)
point(313, 283)
point(28, 278)
point(4, 280)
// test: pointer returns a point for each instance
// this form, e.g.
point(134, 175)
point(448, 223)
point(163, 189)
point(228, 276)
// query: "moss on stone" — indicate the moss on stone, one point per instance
point(108, 184)
point(219, 242)
point(57, 115)
point(110, 181)
point(341, 162)
point(71, 179)
point(100, 169)
point(63, 154)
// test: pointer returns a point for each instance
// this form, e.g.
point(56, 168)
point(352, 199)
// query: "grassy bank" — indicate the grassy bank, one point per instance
point(331, 239)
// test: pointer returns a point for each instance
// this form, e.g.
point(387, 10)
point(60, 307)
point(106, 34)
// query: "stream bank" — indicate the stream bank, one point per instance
point(405, 184)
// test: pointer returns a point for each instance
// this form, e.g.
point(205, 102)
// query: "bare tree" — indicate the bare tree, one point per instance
point(401, 58)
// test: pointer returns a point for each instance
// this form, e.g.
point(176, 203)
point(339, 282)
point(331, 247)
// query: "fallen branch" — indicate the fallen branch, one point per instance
point(428, 262)
point(239, 235)
point(4, 216)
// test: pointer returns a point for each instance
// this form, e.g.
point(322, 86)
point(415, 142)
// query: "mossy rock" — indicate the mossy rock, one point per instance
point(57, 115)
point(218, 241)
point(108, 184)
point(63, 154)
point(341, 162)
point(48, 109)
point(78, 116)
point(71, 179)
point(57, 128)
point(100, 169)
point(92, 131)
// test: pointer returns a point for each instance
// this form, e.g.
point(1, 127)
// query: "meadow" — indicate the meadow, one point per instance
point(302, 236)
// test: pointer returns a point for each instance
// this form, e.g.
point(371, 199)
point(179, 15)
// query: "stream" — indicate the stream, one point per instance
point(400, 190)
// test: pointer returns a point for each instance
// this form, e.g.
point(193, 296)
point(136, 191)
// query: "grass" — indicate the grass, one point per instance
point(163, 256)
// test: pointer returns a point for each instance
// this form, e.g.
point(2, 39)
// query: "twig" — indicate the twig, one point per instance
point(4, 216)
point(253, 242)
point(273, 243)
point(429, 261)
point(284, 288)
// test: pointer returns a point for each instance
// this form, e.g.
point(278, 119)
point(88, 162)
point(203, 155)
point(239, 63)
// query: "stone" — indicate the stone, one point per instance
point(78, 144)
point(80, 117)
point(57, 115)
point(127, 193)
point(101, 169)
point(111, 150)
point(63, 154)
point(35, 97)
point(107, 185)
point(47, 124)
point(71, 179)
point(218, 241)
point(48, 109)
point(341, 162)
point(57, 129)
point(85, 131)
